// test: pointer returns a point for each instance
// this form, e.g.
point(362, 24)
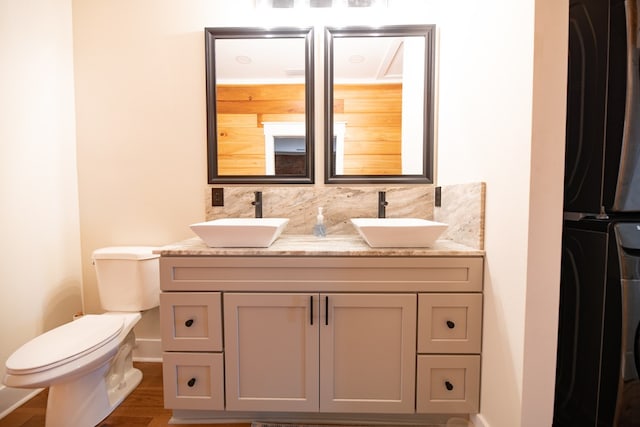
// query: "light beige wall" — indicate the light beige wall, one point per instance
point(141, 154)
point(501, 120)
point(40, 272)
point(545, 209)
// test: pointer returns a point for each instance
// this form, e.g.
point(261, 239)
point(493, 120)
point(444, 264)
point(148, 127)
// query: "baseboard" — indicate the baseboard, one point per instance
point(11, 398)
point(479, 421)
point(314, 418)
point(147, 350)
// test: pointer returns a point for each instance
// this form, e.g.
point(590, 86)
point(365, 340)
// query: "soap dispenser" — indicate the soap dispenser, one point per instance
point(319, 230)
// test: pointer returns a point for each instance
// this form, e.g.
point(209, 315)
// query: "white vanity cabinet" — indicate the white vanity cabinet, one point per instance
point(328, 352)
point(343, 336)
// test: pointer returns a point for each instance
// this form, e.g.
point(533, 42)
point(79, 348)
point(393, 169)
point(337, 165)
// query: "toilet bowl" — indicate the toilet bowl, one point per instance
point(87, 363)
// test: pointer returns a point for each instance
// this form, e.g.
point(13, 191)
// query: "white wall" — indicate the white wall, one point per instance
point(545, 206)
point(40, 271)
point(502, 121)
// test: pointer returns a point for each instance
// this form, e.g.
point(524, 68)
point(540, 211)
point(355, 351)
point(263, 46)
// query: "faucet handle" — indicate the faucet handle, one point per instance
point(382, 204)
point(258, 203)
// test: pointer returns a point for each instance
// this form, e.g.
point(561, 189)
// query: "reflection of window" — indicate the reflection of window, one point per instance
point(292, 145)
point(285, 148)
point(289, 155)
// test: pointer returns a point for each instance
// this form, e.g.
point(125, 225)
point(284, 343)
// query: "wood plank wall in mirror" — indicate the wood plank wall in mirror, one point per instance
point(259, 105)
point(379, 104)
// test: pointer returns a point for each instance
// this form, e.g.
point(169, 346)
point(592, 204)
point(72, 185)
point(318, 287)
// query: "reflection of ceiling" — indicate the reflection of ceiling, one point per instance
point(356, 59)
point(260, 60)
point(382, 59)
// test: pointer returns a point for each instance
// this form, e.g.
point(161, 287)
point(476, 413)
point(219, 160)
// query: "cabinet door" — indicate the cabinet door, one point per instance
point(271, 351)
point(368, 353)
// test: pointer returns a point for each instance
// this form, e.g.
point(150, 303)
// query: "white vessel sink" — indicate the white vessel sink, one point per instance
point(398, 232)
point(240, 232)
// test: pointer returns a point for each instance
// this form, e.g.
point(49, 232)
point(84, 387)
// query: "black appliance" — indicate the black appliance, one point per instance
point(599, 319)
point(599, 326)
point(602, 159)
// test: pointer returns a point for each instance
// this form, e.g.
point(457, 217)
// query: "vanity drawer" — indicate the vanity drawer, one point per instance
point(448, 384)
point(191, 321)
point(449, 323)
point(193, 380)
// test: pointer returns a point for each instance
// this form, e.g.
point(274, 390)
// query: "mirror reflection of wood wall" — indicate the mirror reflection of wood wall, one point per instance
point(373, 116)
point(241, 110)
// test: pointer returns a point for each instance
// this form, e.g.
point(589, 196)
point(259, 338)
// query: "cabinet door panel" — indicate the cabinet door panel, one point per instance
point(271, 352)
point(368, 349)
point(193, 381)
point(191, 321)
point(448, 384)
point(449, 323)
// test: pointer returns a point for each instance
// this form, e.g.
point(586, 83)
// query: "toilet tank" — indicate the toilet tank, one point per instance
point(128, 277)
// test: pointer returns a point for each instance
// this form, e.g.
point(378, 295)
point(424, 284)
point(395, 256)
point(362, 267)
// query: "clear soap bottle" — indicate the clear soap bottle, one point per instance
point(319, 230)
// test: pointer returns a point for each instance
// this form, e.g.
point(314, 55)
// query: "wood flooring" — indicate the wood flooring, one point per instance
point(142, 408)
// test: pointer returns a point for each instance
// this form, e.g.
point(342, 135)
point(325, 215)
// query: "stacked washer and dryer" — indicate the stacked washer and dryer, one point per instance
point(598, 358)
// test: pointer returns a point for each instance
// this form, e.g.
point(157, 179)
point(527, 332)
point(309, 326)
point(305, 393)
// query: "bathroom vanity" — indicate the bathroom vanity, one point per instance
point(321, 329)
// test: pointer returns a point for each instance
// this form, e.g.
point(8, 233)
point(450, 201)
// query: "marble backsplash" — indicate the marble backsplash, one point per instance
point(462, 207)
point(300, 204)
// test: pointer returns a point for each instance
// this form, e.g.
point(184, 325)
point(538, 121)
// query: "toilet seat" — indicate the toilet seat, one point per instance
point(65, 344)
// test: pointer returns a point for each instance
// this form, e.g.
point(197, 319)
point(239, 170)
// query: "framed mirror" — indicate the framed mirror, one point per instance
point(259, 105)
point(379, 104)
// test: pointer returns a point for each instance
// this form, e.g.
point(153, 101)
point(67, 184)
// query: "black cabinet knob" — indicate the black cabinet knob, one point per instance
point(451, 324)
point(448, 385)
point(191, 382)
point(188, 323)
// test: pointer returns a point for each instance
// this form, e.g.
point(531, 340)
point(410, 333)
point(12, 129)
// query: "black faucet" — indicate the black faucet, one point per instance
point(258, 203)
point(382, 204)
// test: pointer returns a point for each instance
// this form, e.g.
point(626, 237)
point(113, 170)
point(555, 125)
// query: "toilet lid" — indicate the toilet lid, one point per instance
point(65, 343)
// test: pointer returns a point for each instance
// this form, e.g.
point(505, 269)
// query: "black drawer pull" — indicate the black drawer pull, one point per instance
point(188, 323)
point(448, 385)
point(451, 324)
point(326, 310)
point(191, 382)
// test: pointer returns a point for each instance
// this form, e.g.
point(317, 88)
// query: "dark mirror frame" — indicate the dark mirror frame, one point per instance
point(426, 31)
point(213, 34)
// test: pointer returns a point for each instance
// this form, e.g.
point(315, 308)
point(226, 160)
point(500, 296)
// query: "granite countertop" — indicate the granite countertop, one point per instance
point(307, 245)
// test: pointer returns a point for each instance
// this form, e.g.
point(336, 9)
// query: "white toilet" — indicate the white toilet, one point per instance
point(87, 363)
